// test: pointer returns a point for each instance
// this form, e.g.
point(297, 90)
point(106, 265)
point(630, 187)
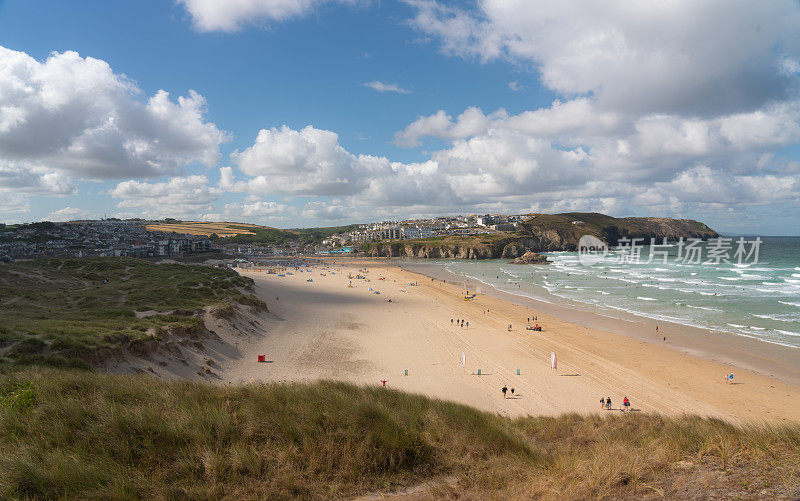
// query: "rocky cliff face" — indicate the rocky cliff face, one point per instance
point(531, 258)
point(544, 233)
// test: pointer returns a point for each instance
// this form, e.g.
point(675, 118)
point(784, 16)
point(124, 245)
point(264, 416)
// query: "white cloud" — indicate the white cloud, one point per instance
point(441, 125)
point(232, 15)
point(683, 56)
point(11, 202)
point(386, 87)
point(258, 208)
point(68, 214)
point(70, 116)
point(176, 197)
point(515, 86)
point(305, 162)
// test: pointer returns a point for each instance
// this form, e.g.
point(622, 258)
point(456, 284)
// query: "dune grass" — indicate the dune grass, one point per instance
point(65, 311)
point(77, 434)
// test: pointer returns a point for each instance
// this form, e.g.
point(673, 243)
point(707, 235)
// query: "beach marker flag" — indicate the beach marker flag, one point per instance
point(262, 358)
point(406, 372)
point(517, 372)
point(553, 361)
point(479, 372)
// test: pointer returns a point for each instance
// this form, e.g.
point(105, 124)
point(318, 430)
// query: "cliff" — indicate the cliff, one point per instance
point(543, 233)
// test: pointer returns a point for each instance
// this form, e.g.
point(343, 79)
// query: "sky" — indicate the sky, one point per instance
point(295, 113)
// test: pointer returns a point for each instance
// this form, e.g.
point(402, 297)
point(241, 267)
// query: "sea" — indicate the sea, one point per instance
point(748, 286)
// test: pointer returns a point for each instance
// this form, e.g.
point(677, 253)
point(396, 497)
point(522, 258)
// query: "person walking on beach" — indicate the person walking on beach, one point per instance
point(467, 325)
point(608, 403)
point(602, 403)
point(451, 321)
point(512, 392)
point(504, 390)
point(626, 404)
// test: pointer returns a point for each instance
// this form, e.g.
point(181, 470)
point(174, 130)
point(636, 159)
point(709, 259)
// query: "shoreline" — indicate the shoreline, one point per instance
point(765, 358)
point(324, 326)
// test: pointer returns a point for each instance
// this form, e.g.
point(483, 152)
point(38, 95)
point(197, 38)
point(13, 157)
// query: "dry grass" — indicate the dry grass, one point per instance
point(201, 228)
point(86, 435)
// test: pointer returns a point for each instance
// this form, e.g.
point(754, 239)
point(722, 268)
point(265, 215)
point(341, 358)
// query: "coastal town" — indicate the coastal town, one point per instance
point(140, 238)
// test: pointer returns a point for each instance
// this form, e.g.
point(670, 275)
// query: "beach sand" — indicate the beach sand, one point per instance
point(327, 330)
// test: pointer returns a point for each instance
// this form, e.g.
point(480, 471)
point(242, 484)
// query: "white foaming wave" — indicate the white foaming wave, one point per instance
point(788, 333)
point(796, 275)
point(693, 273)
point(757, 328)
point(789, 303)
point(738, 326)
point(707, 308)
point(603, 292)
point(731, 278)
point(646, 298)
point(780, 317)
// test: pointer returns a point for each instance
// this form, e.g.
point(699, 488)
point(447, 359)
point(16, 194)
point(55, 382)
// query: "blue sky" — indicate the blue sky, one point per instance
point(510, 106)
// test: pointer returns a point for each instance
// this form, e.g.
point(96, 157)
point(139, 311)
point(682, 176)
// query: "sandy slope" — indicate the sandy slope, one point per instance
point(326, 330)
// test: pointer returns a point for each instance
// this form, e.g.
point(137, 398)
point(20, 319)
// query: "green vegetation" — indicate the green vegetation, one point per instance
point(611, 229)
point(60, 312)
point(274, 236)
point(83, 435)
point(261, 236)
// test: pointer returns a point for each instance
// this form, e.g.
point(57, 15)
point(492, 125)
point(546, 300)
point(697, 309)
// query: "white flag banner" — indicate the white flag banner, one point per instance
point(553, 361)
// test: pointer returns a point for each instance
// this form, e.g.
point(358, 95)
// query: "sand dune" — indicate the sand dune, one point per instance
point(327, 330)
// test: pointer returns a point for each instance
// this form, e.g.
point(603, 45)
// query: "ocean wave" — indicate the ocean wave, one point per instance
point(646, 298)
point(789, 303)
point(707, 308)
point(603, 292)
point(738, 326)
point(780, 317)
point(788, 333)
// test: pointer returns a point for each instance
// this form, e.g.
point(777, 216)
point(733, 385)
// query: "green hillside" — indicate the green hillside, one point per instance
point(69, 311)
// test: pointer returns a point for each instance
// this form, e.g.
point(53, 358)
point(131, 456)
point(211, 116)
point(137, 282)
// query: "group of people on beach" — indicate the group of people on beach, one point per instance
point(605, 404)
point(504, 391)
point(460, 322)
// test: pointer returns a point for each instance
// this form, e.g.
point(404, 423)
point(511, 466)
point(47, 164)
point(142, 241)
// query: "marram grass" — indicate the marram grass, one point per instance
point(84, 435)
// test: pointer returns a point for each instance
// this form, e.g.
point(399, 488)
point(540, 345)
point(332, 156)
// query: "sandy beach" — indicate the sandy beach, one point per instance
point(324, 329)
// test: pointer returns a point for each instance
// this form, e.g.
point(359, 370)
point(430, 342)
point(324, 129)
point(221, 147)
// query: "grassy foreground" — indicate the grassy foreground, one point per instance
point(66, 312)
point(86, 435)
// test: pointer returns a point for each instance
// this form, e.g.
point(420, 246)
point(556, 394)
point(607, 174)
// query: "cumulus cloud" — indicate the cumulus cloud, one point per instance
point(386, 87)
point(255, 209)
point(68, 214)
point(688, 57)
point(305, 162)
point(232, 15)
point(73, 117)
point(176, 197)
point(515, 86)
